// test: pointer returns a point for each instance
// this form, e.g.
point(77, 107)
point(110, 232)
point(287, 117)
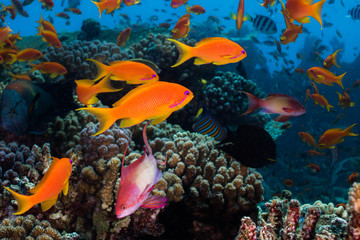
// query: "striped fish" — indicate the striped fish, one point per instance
point(208, 125)
point(355, 12)
point(264, 24)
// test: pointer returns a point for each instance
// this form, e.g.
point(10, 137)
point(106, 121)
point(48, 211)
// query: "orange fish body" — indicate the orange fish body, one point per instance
point(8, 55)
point(290, 34)
point(345, 100)
point(20, 76)
point(131, 2)
point(154, 101)
point(4, 33)
point(47, 4)
point(314, 153)
point(28, 54)
point(123, 37)
point(109, 5)
point(177, 3)
point(182, 27)
point(324, 76)
point(266, 3)
point(216, 50)
point(288, 182)
point(334, 136)
point(46, 25)
point(129, 71)
point(331, 60)
point(240, 15)
point(314, 167)
point(307, 138)
point(300, 10)
point(52, 68)
point(197, 9)
point(63, 15)
point(321, 100)
point(354, 177)
point(86, 90)
point(46, 192)
point(50, 37)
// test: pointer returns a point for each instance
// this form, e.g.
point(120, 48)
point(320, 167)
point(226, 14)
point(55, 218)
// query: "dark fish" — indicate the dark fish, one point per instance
point(251, 145)
point(264, 24)
point(338, 33)
point(27, 2)
point(206, 124)
point(355, 12)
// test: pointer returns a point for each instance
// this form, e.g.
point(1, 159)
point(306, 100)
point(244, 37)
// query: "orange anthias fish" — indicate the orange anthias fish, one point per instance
point(345, 100)
point(86, 90)
point(46, 25)
point(282, 104)
point(307, 138)
point(130, 71)
point(52, 68)
point(290, 34)
point(73, 10)
point(266, 3)
point(324, 76)
point(123, 37)
point(300, 10)
point(131, 2)
point(182, 27)
point(154, 101)
point(4, 33)
point(240, 15)
point(20, 76)
point(288, 182)
point(7, 55)
point(334, 136)
point(28, 54)
point(331, 60)
point(197, 9)
point(63, 15)
point(216, 50)
point(177, 3)
point(46, 192)
point(314, 167)
point(109, 5)
point(354, 177)
point(50, 37)
point(321, 100)
point(314, 153)
point(47, 4)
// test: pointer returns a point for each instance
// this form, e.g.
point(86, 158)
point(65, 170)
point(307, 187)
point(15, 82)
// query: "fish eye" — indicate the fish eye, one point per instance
point(154, 75)
point(187, 93)
point(70, 161)
point(243, 52)
point(123, 207)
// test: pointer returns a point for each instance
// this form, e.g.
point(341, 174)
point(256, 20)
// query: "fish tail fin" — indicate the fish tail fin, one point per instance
point(334, 58)
point(24, 202)
point(102, 69)
point(41, 19)
point(13, 58)
point(339, 79)
point(105, 86)
point(100, 7)
point(105, 116)
point(328, 107)
point(317, 7)
point(253, 103)
point(185, 52)
point(349, 132)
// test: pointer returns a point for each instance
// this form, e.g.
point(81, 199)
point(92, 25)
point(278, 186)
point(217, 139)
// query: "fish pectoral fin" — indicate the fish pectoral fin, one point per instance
point(159, 119)
point(228, 56)
point(128, 122)
point(46, 205)
point(201, 61)
point(282, 118)
point(154, 202)
point(53, 75)
point(220, 63)
point(66, 188)
point(304, 20)
point(321, 77)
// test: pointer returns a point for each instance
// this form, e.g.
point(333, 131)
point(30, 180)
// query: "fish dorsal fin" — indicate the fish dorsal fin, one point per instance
point(44, 179)
point(334, 130)
point(148, 63)
point(207, 40)
point(84, 83)
point(46, 205)
point(125, 171)
point(308, 1)
point(66, 188)
point(154, 202)
point(118, 62)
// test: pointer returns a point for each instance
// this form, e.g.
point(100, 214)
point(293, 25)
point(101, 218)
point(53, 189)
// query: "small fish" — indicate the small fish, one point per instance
point(154, 101)
point(291, 34)
point(7, 56)
point(20, 76)
point(52, 68)
point(108, 5)
point(334, 136)
point(251, 145)
point(314, 153)
point(266, 3)
point(47, 4)
point(165, 25)
point(28, 54)
point(206, 124)
point(50, 37)
point(356, 84)
point(263, 24)
point(321, 100)
point(27, 2)
point(46, 192)
point(197, 9)
point(331, 60)
point(46, 25)
point(73, 10)
point(240, 15)
point(4, 33)
point(307, 138)
point(355, 12)
point(87, 90)
point(338, 33)
point(213, 19)
point(178, 3)
point(300, 10)
point(324, 76)
point(130, 71)
point(282, 104)
point(123, 37)
point(63, 15)
point(299, 70)
point(288, 183)
point(131, 2)
point(216, 50)
point(345, 100)
point(182, 27)
point(354, 177)
point(314, 167)
point(137, 181)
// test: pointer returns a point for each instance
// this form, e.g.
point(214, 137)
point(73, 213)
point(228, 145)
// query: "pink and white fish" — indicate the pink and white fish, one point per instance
point(282, 104)
point(137, 181)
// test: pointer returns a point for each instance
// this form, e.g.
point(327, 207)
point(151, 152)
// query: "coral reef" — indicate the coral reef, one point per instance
point(90, 30)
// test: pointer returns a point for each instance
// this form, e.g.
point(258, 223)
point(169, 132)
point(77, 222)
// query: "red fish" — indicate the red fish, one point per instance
point(282, 104)
point(321, 100)
point(345, 100)
point(197, 9)
point(63, 15)
point(123, 37)
point(331, 60)
point(47, 4)
point(300, 10)
point(182, 27)
point(307, 138)
point(314, 167)
point(177, 3)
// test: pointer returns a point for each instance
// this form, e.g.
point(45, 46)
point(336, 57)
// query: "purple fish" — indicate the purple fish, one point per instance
point(137, 181)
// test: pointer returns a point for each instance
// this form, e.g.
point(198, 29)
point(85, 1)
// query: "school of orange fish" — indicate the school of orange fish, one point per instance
point(155, 100)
